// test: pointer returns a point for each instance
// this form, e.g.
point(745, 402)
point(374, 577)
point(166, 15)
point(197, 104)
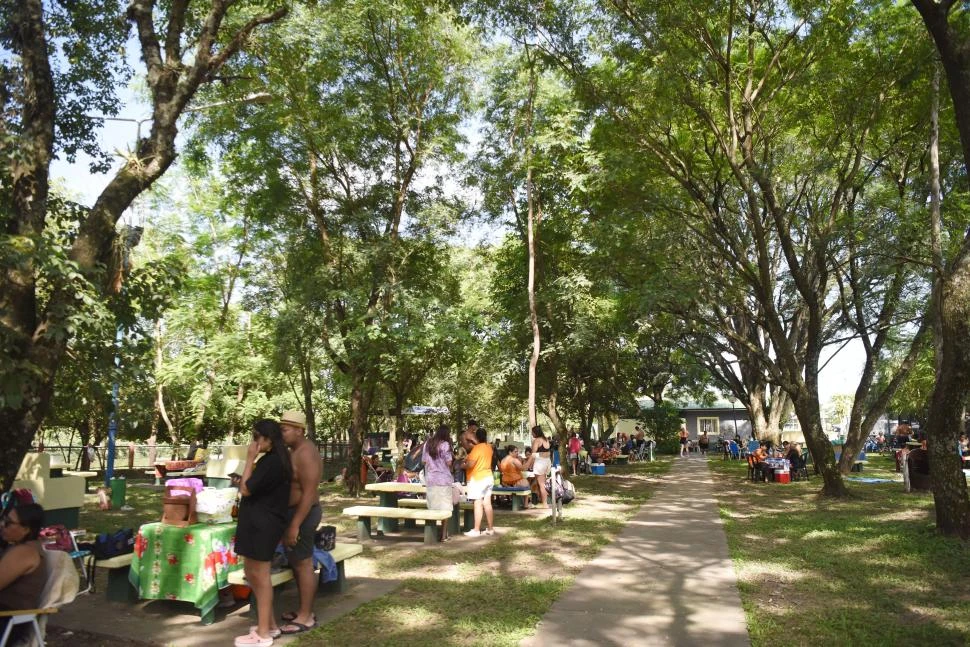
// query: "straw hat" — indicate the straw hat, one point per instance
point(293, 418)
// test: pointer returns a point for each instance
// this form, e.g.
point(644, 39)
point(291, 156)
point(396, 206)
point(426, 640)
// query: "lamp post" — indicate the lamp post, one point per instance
point(734, 412)
point(131, 236)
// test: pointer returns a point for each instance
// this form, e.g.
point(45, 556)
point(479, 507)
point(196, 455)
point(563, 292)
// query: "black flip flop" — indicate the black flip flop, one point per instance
point(300, 628)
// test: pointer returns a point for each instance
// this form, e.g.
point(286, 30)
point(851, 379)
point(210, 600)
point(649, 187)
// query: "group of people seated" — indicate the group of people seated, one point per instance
point(792, 452)
point(603, 453)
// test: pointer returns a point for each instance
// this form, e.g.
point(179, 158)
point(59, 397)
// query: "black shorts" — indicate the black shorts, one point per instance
point(304, 543)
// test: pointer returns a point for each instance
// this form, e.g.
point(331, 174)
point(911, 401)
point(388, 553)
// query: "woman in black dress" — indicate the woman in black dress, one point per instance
point(265, 490)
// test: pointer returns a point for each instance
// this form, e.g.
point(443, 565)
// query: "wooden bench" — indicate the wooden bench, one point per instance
point(467, 507)
point(119, 588)
point(365, 513)
point(340, 553)
point(515, 492)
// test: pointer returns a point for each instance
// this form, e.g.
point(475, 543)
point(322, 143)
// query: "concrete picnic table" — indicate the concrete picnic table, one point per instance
point(388, 493)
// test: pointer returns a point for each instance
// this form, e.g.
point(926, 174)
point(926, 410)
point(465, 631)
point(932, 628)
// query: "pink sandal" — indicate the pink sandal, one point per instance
point(253, 639)
point(273, 633)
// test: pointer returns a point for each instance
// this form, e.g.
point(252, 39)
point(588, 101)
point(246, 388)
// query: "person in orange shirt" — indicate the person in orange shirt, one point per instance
point(511, 468)
point(758, 458)
point(479, 482)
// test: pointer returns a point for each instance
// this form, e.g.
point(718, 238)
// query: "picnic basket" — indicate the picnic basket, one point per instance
point(178, 510)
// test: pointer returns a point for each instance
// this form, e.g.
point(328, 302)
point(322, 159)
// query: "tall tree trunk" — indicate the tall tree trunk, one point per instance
point(531, 225)
point(306, 384)
point(359, 405)
point(823, 456)
point(951, 313)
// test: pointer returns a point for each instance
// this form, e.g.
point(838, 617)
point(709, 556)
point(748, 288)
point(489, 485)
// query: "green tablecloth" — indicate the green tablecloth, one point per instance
point(189, 564)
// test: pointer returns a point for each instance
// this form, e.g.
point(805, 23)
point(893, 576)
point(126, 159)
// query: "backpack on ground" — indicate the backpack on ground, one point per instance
point(111, 544)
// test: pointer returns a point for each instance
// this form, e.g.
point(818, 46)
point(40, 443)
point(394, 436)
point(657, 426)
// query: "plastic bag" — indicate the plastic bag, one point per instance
point(213, 505)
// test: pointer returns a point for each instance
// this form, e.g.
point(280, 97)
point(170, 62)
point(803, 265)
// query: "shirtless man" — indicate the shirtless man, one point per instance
point(304, 516)
point(468, 437)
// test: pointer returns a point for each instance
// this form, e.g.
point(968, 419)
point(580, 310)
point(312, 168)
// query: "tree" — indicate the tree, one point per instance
point(44, 100)
point(762, 167)
point(369, 98)
point(947, 25)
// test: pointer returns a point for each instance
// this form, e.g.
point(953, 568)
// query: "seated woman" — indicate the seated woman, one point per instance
point(511, 468)
point(758, 462)
point(23, 572)
point(794, 456)
point(596, 452)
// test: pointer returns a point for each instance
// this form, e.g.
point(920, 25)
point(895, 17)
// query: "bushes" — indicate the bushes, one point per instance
point(662, 423)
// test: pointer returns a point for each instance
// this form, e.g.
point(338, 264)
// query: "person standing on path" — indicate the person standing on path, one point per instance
point(303, 517)
point(704, 443)
point(683, 441)
point(479, 479)
point(573, 448)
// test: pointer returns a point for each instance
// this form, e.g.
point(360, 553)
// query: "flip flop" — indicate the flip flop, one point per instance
point(300, 628)
point(273, 633)
point(252, 639)
point(290, 616)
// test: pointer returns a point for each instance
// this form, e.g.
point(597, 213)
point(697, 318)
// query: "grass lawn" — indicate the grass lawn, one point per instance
point(485, 591)
point(867, 570)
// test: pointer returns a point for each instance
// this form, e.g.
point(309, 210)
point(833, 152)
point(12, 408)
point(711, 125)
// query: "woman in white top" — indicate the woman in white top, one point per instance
point(540, 461)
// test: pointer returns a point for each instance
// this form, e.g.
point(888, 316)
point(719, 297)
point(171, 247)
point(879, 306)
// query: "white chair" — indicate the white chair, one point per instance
point(61, 588)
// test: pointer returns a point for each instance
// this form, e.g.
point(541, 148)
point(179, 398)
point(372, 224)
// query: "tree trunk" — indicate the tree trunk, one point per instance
point(306, 383)
point(952, 298)
point(359, 404)
point(823, 456)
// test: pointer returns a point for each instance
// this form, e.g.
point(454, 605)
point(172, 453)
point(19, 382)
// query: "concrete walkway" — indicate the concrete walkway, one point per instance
point(666, 579)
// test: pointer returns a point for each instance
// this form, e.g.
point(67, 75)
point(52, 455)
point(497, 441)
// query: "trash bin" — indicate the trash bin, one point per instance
point(118, 487)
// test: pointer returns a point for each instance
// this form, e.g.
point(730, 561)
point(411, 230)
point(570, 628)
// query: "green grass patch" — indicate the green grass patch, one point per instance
point(487, 610)
point(866, 569)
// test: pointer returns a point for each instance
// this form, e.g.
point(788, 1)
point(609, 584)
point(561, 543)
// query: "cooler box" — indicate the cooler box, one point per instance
point(782, 477)
point(598, 468)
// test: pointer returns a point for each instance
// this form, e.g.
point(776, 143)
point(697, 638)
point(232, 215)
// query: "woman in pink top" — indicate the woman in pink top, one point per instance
point(574, 447)
point(438, 476)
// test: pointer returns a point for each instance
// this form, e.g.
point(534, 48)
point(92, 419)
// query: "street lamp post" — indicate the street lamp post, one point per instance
point(734, 412)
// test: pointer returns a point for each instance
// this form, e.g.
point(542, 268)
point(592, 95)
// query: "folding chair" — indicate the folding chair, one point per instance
point(60, 589)
point(60, 539)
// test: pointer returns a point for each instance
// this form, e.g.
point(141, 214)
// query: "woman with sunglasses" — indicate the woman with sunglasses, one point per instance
point(265, 490)
point(23, 572)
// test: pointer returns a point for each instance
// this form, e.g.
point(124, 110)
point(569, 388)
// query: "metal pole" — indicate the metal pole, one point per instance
point(113, 418)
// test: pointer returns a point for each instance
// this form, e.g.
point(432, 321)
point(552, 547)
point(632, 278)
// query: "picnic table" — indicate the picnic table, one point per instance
point(388, 493)
point(189, 564)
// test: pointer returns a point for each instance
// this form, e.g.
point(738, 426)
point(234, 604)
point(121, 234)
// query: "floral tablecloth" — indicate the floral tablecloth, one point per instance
point(189, 564)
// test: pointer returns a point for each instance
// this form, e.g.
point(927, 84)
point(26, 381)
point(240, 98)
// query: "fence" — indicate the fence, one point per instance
point(132, 456)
